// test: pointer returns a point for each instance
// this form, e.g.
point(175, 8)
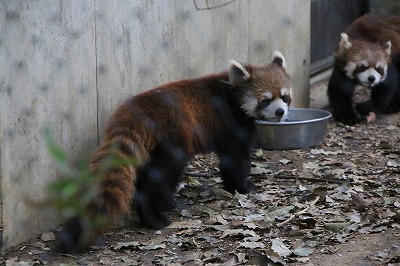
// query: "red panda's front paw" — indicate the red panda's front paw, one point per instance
point(348, 119)
point(247, 187)
point(242, 187)
point(371, 117)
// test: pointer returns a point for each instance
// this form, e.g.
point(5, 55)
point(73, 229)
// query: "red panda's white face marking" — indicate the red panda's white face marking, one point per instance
point(267, 92)
point(372, 75)
point(366, 74)
point(364, 62)
point(275, 107)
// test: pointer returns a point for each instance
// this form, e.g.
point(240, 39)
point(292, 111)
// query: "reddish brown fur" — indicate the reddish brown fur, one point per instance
point(376, 28)
point(368, 36)
point(276, 79)
point(187, 114)
point(130, 125)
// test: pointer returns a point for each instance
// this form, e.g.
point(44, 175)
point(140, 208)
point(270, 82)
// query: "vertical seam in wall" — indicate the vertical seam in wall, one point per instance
point(248, 32)
point(96, 75)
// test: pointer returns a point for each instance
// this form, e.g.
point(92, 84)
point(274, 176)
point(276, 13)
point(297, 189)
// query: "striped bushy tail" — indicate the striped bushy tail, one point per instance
point(113, 168)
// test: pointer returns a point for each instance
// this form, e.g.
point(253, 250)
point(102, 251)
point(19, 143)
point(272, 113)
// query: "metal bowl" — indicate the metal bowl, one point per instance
point(304, 128)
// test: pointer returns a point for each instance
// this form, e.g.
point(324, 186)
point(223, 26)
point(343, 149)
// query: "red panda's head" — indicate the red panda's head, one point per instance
point(266, 93)
point(362, 61)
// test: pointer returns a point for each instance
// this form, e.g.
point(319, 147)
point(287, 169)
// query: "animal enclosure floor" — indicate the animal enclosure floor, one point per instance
point(336, 204)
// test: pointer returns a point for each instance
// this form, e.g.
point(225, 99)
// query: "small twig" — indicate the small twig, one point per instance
point(333, 180)
point(68, 255)
point(213, 174)
point(391, 152)
point(201, 175)
point(292, 216)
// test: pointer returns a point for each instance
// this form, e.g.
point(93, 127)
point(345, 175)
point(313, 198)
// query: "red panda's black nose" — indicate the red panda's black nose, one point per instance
point(371, 78)
point(279, 112)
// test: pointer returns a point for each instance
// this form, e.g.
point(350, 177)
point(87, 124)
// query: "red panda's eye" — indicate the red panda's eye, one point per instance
point(264, 103)
point(286, 98)
point(361, 68)
point(379, 70)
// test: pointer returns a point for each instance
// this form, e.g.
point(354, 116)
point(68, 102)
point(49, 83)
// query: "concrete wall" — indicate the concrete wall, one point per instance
point(69, 63)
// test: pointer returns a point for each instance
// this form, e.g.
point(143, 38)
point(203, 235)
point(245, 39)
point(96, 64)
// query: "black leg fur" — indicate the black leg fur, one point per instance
point(157, 184)
point(340, 93)
point(153, 196)
point(149, 212)
point(69, 234)
point(386, 94)
point(235, 169)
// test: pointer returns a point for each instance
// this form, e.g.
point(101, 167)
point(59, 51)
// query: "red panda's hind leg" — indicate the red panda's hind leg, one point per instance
point(69, 235)
point(150, 213)
point(157, 182)
point(155, 194)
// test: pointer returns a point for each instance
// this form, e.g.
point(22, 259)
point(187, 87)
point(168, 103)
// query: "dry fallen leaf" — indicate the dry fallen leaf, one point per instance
point(48, 236)
point(359, 201)
point(336, 226)
point(285, 161)
point(302, 250)
point(259, 153)
point(252, 245)
point(392, 164)
point(186, 224)
point(130, 244)
point(239, 232)
point(221, 194)
point(279, 247)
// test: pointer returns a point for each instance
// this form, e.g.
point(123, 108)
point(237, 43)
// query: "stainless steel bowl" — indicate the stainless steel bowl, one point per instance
point(304, 128)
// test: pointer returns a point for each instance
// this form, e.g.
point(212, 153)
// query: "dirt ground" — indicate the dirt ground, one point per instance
point(335, 204)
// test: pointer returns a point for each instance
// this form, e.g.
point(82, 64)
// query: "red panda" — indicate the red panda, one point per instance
point(165, 127)
point(367, 55)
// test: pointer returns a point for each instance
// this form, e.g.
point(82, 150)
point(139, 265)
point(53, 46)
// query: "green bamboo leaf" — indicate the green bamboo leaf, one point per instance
point(57, 154)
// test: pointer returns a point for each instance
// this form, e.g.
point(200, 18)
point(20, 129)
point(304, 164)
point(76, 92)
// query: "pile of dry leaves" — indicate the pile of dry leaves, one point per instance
point(339, 199)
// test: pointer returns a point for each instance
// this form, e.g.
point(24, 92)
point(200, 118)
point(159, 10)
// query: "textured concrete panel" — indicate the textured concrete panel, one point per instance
point(47, 77)
point(153, 42)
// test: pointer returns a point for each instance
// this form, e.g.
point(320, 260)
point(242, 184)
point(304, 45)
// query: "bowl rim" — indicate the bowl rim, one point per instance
point(325, 117)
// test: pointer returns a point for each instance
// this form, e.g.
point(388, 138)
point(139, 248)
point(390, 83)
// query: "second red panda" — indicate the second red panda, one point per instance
point(165, 127)
point(368, 55)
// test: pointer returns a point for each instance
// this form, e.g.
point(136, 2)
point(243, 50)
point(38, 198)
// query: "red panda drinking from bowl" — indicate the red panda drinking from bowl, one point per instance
point(165, 127)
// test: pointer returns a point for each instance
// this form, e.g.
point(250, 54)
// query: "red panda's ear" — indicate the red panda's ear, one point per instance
point(279, 59)
point(344, 43)
point(388, 48)
point(237, 73)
